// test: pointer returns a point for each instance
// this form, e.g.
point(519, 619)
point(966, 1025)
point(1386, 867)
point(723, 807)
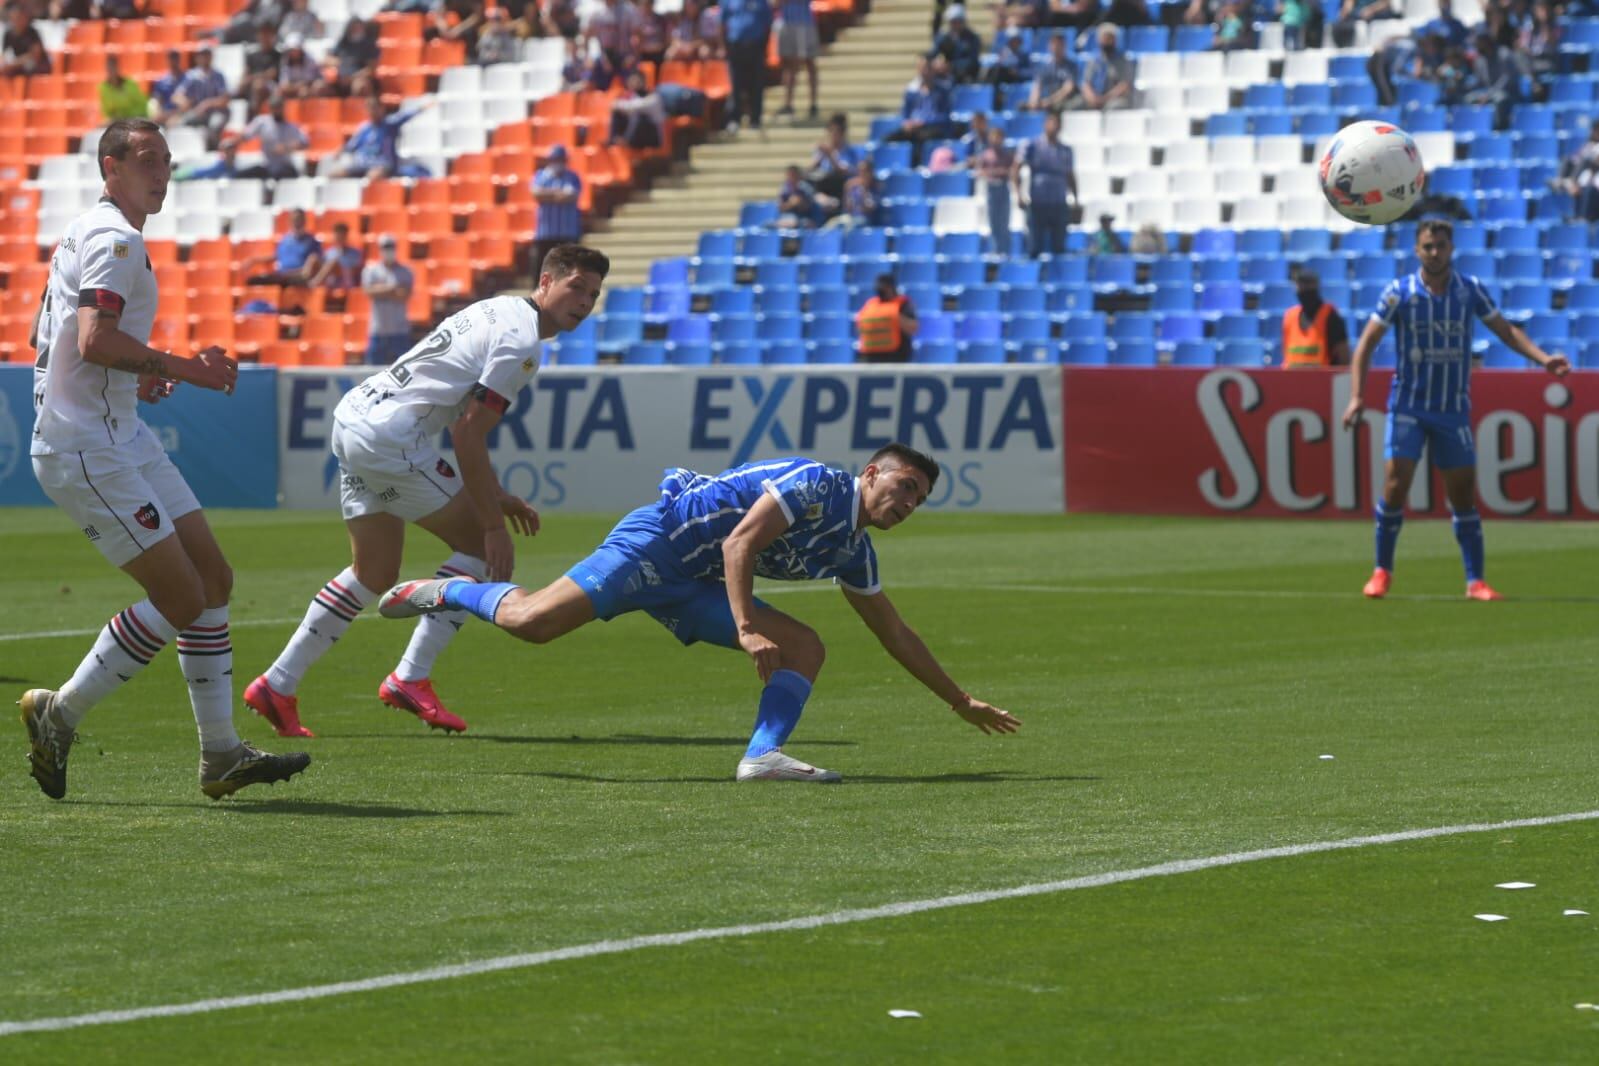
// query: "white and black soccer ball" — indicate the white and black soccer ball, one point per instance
point(1372, 172)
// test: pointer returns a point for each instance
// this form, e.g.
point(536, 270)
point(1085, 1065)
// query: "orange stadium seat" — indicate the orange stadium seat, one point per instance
point(358, 303)
point(254, 332)
point(209, 303)
point(467, 195)
point(397, 26)
point(429, 220)
point(169, 331)
point(161, 251)
point(474, 165)
point(377, 194)
point(430, 192)
point(440, 54)
point(449, 250)
point(492, 251)
point(281, 353)
point(393, 220)
point(322, 354)
point(212, 329)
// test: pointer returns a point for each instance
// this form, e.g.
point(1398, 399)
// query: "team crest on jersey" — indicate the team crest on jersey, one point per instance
point(119, 249)
point(148, 517)
point(527, 365)
point(445, 469)
point(813, 512)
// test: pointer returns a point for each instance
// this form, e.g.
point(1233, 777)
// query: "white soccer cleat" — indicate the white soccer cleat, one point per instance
point(775, 766)
point(413, 598)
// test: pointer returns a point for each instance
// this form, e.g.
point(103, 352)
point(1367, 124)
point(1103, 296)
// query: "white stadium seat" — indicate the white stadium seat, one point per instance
point(959, 214)
point(1301, 68)
point(252, 224)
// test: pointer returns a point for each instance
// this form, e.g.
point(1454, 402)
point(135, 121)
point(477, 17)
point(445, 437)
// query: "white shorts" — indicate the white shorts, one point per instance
point(123, 496)
point(377, 476)
point(798, 41)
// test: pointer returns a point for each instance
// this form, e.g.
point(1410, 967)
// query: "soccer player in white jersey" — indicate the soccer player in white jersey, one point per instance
point(689, 561)
point(101, 464)
point(1431, 312)
point(464, 375)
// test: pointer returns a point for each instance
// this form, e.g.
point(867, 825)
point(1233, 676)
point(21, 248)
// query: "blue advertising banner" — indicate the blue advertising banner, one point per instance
point(226, 446)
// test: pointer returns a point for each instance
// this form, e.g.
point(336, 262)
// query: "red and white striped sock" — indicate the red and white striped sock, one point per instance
point(435, 631)
point(332, 610)
point(124, 647)
point(205, 654)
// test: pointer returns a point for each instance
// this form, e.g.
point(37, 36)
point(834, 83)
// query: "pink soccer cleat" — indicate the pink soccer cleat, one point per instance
point(280, 710)
point(419, 698)
point(1479, 590)
point(1377, 587)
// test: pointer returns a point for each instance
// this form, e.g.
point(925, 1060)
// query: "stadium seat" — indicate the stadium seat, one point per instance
point(1194, 353)
point(1085, 353)
point(933, 352)
point(1241, 353)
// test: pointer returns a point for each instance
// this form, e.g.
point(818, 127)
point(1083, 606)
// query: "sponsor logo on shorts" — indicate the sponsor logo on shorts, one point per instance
point(444, 469)
point(353, 482)
point(670, 624)
point(651, 577)
point(148, 517)
point(389, 495)
point(91, 532)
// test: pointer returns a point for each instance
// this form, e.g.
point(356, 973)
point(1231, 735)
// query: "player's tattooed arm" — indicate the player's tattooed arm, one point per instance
point(137, 365)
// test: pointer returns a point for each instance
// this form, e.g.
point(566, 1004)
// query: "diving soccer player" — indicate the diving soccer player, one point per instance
point(1431, 313)
point(689, 561)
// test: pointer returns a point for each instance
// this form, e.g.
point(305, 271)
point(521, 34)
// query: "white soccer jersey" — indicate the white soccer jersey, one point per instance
point(493, 343)
point(100, 258)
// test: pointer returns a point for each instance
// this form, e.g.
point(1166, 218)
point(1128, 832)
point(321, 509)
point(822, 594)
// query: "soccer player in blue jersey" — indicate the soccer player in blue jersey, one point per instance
point(689, 561)
point(1431, 313)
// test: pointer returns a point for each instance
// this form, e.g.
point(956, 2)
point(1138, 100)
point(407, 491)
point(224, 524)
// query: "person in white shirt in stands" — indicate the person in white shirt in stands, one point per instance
point(464, 376)
point(98, 461)
point(279, 139)
point(388, 285)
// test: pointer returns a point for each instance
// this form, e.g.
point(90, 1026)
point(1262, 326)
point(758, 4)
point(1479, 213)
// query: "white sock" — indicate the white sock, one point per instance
point(435, 631)
point(124, 647)
point(205, 654)
point(330, 614)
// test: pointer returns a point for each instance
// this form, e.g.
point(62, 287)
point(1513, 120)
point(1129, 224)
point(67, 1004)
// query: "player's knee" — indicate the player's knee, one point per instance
point(218, 584)
point(377, 578)
point(805, 653)
point(180, 600)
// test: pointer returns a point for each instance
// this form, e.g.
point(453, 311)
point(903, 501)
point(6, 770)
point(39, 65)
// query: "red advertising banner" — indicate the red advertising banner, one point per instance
point(1270, 442)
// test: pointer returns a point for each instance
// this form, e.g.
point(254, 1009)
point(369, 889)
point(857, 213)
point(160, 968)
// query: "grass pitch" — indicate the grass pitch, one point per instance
point(1178, 681)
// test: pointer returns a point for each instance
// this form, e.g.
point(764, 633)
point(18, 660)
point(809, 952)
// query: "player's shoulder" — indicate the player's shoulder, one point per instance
point(105, 223)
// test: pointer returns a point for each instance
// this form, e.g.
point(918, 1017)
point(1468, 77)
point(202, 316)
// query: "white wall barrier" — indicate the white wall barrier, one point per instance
point(597, 440)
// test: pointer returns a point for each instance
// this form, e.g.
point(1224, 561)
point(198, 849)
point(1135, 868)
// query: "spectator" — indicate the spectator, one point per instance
point(261, 63)
point(1012, 64)
point(1496, 77)
point(559, 18)
point(121, 96)
point(299, 75)
point(164, 105)
point(341, 263)
point(1051, 182)
point(797, 45)
point(1539, 44)
point(1579, 177)
point(1296, 17)
point(22, 50)
point(357, 53)
point(1451, 29)
point(697, 34)
point(300, 21)
point(925, 111)
point(1108, 82)
point(861, 199)
point(1106, 241)
point(1073, 14)
point(886, 323)
point(1149, 240)
point(1457, 76)
point(203, 96)
point(961, 48)
point(1055, 80)
point(613, 26)
point(652, 34)
point(1125, 13)
point(835, 160)
point(279, 139)
point(1025, 14)
point(1354, 11)
point(799, 205)
point(298, 256)
point(373, 150)
point(994, 165)
point(638, 118)
point(244, 24)
point(575, 72)
point(224, 165)
point(1232, 31)
point(387, 283)
point(556, 189)
point(1395, 58)
point(1314, 334)
point(497, 43)
point(975, 139)
point(746, 25)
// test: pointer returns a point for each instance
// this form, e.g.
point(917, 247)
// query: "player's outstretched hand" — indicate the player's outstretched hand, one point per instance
point(1558, 365)
point(153, 388)
point(212, 369)
point(768, 660)
point(499, 553)
point(1353, 411)
point(523, 518)
point(988, 718)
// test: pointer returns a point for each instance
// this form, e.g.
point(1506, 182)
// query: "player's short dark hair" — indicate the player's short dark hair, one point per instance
point(1435, 226)
point(567, 259)
point(118, 138)
point(905, 455)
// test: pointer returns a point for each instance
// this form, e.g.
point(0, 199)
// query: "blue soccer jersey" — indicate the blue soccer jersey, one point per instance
point(822, 504)
point(1432, 341)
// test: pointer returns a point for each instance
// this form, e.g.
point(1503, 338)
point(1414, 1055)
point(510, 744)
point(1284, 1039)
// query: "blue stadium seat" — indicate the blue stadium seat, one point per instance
point(821, 244)
point(1498, 181)
point(1241, 353)
point(1175, 297)
point(760, 244)
point(1215, 242)
point(891, 155)
point(828, 301)
point(829, 328)
point(1147, 39)
point(936, 327)
point(1326, 267)
point(777, 273)
point(959, 245)
point(1240, 325)
point(1582, 33)
point(1503, 210)
point(917, 271)
point(1584, 296)
point(1492, 148)
point(1089, 327)
point(1192, 38)
point(936, 352)
point(1481, 264)
point(1538, 148)
point(689, 329)
point(1012, 98)
point(964, 273)
point(1214, 271)
point(978, 298)
point(1309, 241)
point(1272, 124)
point(730, 328)
point(1256, 272)
point(1355, 95)
point(1023, 298)
point(1417, 94)
point(1347, 68)
point(1318, 124)
point(624, 300)
point(688, 354)
point(1553, 326)
point(984, 352)
point(978, 327)
point(823, 273)
point(1369, 268)
point(1258, 241)
point(949, 183)
point(734, 301)
point(1134, 353)
point(1194, 353)
point(866, 242)
point(1176, 328)
point(644, 353)
point(1451, 181)
point(760, 213)
point(1270, 96)
point(1588, 358)
point(1223, 296)
point(669, 273)
point(784, 353)
point(1016, 272)
point(1171, 270)
point(1227, 124)
point(967, 98)
point(1133, 327)
point(577, 347)
point(780, 328)
point(904, 185)
point(1066, 270)
point(1532, 118)
point(1085, 353)
point(916, 244)
point(1585, 327)
point(1471, 121)
point(1521, 266)
point(926, 296)
point(1497, 357)
point(909, 214)
point(1570, 92)
point(1278, 297)
point(718, 244)
point(664, 304)
point(1530, 298)
point(1115, 272)
point(742, 353)
point(833, 353)
point(1515, 239)
point(1310, 96)
point(714, 273)
point(1427, 120)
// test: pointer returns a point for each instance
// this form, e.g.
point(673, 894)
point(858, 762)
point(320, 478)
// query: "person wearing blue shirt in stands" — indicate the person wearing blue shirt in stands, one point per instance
point(373, 150)
point(689, 560)
point(1011, 63)
point(164, 90)
point(1051, 177)
point(959, 46)
point(298, 256)
point(556, 188)
point(925, 111)
point(746, 25)
point(1451, 29)
point(1429, 402)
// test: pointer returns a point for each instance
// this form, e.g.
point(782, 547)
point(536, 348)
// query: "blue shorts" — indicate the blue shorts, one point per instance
point(636, 569)
point(1448, 437)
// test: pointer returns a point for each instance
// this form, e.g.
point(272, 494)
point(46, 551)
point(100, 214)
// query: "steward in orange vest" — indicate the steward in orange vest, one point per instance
point(1314, 333)
point(885, 324)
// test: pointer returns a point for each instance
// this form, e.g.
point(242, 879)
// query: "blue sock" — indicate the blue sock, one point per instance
point(481, 598)
point(782, 703)
point(1468, 532)
point(1388, 524)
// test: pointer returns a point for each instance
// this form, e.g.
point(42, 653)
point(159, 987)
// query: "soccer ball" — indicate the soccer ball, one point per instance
point(1372, 172)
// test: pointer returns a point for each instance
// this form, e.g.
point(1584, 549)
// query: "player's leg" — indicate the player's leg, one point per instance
point(1455, 453)
point(1405, 437)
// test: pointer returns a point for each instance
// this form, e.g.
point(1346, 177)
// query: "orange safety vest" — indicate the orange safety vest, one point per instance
point(879, 327)
point(1306, 347)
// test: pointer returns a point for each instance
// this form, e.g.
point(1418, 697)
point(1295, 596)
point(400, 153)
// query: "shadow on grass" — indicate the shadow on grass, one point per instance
point(981, 777)
point(314, 808)
point(617, 738)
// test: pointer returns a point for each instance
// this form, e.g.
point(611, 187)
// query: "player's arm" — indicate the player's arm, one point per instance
point(470, 435)
point(901, 641)
point(1516, 339)
point(1365, 348)
point(755, 532)
point(100, 342)
point(38, 316)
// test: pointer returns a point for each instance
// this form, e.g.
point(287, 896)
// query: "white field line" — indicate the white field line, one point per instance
point(817, 921)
